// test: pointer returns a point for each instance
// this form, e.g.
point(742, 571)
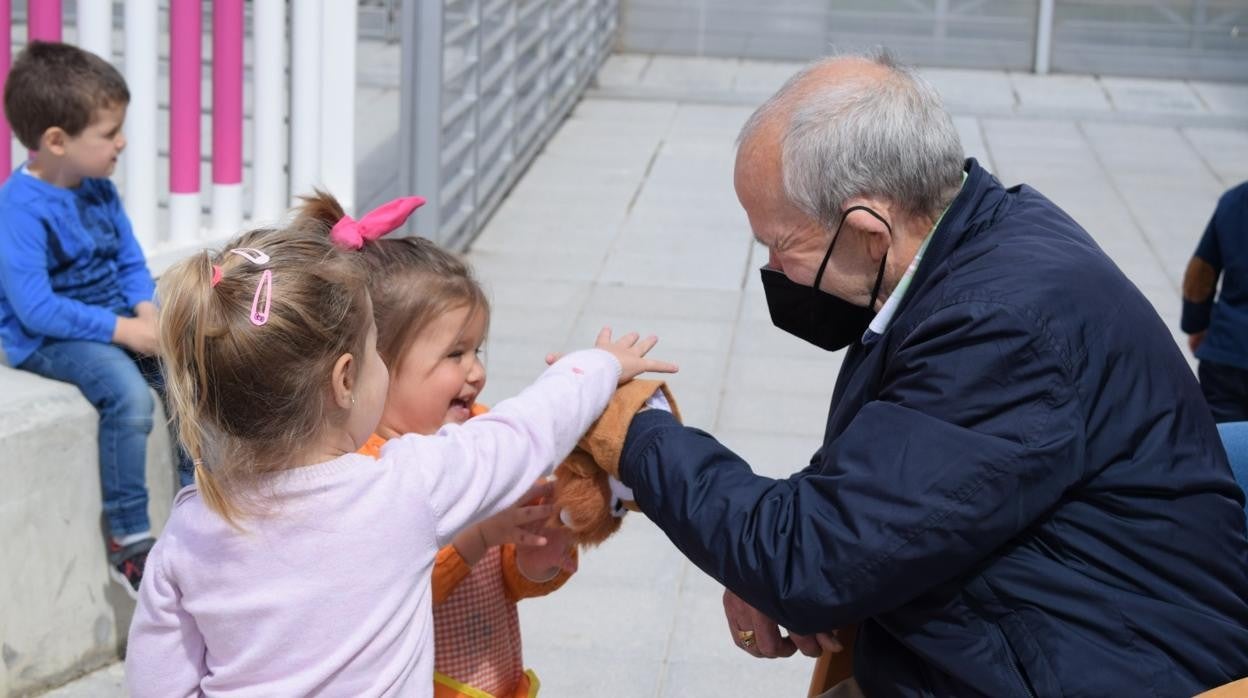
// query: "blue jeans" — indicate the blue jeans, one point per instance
point(116, 383)
point(1235, 441)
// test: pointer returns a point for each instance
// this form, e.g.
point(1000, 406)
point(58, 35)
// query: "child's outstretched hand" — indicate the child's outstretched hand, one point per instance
point(542, 563)
point(630, 350)
point(511, 525)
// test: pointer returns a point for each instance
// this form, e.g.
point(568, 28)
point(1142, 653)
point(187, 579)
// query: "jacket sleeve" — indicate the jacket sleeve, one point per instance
point(165, 652)
point(135, 278)
point(975, 433)
point(24, 279)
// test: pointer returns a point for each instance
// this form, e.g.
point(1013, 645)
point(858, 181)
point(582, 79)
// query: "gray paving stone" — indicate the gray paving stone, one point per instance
point(1162, 96)
point(517, 322)
point(663, 301)
point(521, 358)
point(707, 121)
point(1082, 92)
point(764, 77)
point(785, 374)
point(744, 675)
point(1225, 151)
point(561, 265)
point(972, 89)
point(972, 138)
point(720, 268)
point(694, 73)
point(676, 334)
point(630, 619)
point(616, 110)
point(622, 69)
point(1223, 98)
point(772, 412)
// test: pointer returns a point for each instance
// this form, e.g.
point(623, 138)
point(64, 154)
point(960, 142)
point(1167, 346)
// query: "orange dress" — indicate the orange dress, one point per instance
point(477, 651)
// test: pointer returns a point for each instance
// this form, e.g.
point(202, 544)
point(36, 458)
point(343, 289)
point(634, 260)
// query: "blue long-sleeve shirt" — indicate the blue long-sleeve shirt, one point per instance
point(1224, 246)
point(69, 263)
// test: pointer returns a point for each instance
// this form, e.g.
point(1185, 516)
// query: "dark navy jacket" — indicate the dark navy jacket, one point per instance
point(1020, 490)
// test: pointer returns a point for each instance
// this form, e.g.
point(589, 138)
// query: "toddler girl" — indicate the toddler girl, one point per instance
point(431, 323)
point(296, 566)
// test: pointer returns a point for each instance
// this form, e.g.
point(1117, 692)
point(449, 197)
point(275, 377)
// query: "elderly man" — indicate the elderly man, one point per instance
point(1020, 491)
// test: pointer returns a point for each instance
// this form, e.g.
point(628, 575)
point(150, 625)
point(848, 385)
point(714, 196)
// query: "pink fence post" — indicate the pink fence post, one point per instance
point(43, 20)
point(227, 115)
point(6, 57)
point(185, 44)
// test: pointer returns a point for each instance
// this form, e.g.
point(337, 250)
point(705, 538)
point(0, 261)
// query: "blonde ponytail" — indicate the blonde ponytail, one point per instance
point(247, 398)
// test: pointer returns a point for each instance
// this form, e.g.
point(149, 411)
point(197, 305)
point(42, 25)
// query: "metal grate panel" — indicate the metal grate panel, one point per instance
point(486, 83)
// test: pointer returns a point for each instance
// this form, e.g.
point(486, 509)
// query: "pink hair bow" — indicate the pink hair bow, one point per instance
point(352, 234)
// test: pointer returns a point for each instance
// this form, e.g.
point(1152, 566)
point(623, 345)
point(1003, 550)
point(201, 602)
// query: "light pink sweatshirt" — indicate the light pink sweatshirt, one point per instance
point(330, 593)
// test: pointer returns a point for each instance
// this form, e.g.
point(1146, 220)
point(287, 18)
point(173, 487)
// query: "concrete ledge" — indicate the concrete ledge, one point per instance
point(61, 615)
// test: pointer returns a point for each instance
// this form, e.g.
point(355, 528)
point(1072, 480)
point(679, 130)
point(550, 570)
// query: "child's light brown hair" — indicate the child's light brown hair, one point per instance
point(412, 281)
point(58, 85)
point(245, 398)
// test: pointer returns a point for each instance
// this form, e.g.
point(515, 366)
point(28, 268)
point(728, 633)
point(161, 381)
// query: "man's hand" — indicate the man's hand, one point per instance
point(766, 640)
point(138, 334)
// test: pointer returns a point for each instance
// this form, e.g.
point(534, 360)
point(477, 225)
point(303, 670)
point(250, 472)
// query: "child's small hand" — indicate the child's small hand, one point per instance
point(507, 526)
point(630, 350)
point(138, 334)
point(542, 563)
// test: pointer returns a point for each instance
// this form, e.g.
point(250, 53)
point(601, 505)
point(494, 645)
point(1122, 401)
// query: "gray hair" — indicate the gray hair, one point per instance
point(889, 138)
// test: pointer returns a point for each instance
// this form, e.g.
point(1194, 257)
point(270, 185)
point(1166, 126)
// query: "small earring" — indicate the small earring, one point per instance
point(353, 401)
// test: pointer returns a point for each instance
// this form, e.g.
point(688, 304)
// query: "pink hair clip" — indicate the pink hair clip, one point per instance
point(216, 275)
point(265, 288)
point(351, 234)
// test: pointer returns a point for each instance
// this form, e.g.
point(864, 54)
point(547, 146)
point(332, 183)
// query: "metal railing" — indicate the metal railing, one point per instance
point(485, 84)
point(1197, 39)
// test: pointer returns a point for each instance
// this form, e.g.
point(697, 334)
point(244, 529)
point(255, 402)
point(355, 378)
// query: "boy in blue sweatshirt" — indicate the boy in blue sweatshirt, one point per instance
point(75, 292)
point(1217, 323)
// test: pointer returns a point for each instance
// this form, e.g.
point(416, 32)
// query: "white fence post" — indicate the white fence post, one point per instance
point(268, 100)
point(336, 171)
point(141, 31)
point(305, 96)
point(95, 27)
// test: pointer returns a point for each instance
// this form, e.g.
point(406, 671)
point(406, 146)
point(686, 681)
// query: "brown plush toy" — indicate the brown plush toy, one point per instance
point(583, 493)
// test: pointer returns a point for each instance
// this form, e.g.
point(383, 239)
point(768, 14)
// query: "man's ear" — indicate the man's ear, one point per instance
point(342, 381)
point(54, 139)
point(874, 236)
point(879, 240)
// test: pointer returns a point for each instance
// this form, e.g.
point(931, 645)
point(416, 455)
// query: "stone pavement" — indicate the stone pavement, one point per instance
point(628, 218)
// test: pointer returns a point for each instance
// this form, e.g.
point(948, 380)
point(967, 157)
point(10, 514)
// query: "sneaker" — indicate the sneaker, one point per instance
point(126, 562)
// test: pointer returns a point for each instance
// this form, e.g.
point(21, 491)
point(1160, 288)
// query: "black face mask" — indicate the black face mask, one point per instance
point(821, 318)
